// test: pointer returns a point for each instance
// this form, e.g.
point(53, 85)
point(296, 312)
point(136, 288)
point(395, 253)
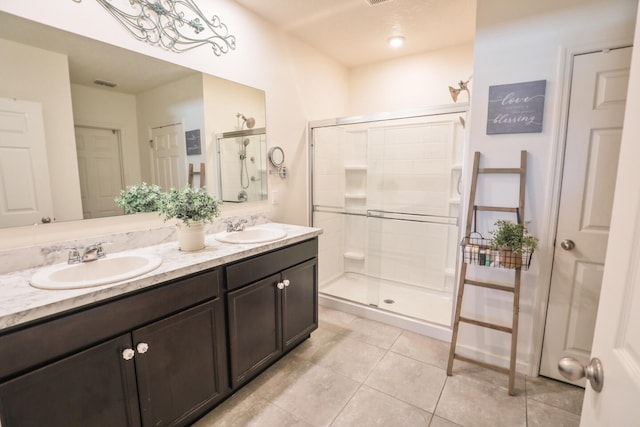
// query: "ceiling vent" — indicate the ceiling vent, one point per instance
point(376, 2)
point(104, 83)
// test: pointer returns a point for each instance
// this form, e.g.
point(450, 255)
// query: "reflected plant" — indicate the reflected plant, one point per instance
point(139, 198)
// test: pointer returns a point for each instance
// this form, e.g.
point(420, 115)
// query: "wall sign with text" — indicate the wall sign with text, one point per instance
point(194, 145)
point(516, 108)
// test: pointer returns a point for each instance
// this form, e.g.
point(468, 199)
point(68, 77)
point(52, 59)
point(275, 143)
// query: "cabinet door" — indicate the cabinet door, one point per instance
point(300, 302)
point(95, 387)
point(181, 365)
point(254, 328)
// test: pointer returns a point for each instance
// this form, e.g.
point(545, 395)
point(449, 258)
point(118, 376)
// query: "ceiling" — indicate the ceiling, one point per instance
point(354, 32)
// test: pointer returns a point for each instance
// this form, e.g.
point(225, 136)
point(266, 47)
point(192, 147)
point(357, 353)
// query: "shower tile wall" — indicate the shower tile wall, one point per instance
point(230, 168)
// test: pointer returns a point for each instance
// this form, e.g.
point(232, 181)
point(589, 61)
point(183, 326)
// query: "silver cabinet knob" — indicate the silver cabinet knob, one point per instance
point(567, 244)
point(280, 285)
point(142, 347)
point(128, 353)
point(573, 370)
point(46, 220)
point(286, 282)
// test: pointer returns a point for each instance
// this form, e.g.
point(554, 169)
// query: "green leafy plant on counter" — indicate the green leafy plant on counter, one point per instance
point(189, 205)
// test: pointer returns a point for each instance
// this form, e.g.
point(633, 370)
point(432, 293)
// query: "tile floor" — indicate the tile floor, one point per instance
point(358, 372)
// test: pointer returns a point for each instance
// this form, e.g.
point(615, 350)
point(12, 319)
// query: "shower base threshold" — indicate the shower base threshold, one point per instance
point(407, 300)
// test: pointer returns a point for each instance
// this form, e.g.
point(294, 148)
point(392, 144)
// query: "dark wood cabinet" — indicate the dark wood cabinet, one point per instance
point(163, 373)
point(268, 317)
point(161, 356)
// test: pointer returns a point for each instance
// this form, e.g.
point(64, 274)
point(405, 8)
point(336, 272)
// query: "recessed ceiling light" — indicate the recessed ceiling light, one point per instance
point(396, 41)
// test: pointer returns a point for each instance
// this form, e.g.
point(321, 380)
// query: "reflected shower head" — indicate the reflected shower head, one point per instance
point(249, 121)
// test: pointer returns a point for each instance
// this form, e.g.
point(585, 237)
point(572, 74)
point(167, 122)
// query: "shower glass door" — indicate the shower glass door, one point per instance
point(386, 195)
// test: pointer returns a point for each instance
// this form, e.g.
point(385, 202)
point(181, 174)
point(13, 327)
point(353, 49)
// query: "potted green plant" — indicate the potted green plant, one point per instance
point(512, 240)
point(139, 198)
point(193, 208)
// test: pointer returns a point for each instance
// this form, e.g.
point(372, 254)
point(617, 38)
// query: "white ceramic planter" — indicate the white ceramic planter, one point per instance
point(191, 238)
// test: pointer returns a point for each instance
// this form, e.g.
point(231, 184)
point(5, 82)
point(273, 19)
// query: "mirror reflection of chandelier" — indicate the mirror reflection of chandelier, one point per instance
point(176, 25)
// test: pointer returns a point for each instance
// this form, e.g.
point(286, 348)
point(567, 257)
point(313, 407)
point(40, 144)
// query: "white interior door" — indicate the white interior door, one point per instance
point(168, 156)
point(25, 194)
point(100, 169)
point(617, 338)
point(596, 113)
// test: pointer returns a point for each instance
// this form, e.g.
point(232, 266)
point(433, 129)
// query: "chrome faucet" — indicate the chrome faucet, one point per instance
point(237, 226)
point(93, 253)
point(90, 253)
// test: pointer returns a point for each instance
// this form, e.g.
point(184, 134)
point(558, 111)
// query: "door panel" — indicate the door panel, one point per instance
point(254, 328)
point(93, 388)
point(181, 371)
point(300, 314)
point(594, 129)
point(100, 170)
point(167, 157)
point(25, 195)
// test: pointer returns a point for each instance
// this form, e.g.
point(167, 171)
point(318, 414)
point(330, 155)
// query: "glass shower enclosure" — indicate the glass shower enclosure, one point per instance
point(386, 192)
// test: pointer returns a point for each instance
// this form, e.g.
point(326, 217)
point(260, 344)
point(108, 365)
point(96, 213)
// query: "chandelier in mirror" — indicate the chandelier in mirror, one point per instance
point(177, 25)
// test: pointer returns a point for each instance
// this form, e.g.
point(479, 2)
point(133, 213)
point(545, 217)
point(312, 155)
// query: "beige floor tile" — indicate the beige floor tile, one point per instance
point(541, 415)
point(472, 403)
point(350, 357)
point(489, 376)
point(436, 421)
point(371, 408)
point(335, 317)
point(373, 332)
point(422, 348)
point(316, 395)
point(241, 411)
point(555, 393)
point(409, 380)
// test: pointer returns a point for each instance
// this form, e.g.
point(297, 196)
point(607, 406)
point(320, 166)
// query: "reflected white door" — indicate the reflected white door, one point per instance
point(25, 193)
point(100, 169)
point(167, 156)
point(617, 337)
point(596, 113)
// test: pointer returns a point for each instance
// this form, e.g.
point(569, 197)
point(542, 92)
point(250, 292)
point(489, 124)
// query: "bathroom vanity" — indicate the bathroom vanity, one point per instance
point(162, 352)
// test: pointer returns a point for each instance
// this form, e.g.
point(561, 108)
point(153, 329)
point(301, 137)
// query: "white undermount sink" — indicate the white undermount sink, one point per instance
point(111, 269)
point(252, 235)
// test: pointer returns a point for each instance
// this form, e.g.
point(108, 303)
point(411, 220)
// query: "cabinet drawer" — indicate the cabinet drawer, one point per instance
point(35, 345)
point(244, 272)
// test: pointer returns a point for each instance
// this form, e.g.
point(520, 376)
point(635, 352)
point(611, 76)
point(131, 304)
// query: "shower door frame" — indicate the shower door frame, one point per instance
point(437, 331)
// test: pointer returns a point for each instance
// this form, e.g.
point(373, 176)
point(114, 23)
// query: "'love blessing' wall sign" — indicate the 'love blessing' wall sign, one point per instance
point(516, 108)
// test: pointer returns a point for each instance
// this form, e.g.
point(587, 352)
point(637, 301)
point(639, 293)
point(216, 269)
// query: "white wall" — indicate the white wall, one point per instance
point(111, 110)
point(41, 76)
point(410, 82)
point(300, 82)
point(522, 44)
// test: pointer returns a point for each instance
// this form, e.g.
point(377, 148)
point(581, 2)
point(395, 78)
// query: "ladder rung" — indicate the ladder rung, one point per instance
point(478, 362)
point(486, 324)
point(495, 209)
point(501, 170)
point(489, 285)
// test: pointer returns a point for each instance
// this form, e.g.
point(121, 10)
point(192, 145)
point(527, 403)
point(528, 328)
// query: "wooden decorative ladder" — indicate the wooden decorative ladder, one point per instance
point(464, 280)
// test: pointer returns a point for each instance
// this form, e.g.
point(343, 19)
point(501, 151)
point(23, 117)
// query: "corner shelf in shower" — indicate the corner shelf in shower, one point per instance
point(354, 256)
point(355, 168)
point(356, 196)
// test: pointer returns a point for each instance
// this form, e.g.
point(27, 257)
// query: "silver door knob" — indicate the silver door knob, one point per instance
point(280, 285)
point(142, 347)
point(567, 244)
point(286, 282)
point(573, 370)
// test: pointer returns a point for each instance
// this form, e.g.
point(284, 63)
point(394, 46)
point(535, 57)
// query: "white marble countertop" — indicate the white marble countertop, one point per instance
point(21, 303)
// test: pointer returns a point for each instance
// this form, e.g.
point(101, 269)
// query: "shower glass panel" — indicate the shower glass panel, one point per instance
point(386, 194)
point(242, 165)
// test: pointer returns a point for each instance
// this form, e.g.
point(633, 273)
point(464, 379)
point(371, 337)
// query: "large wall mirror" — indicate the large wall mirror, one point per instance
point(70, 140)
